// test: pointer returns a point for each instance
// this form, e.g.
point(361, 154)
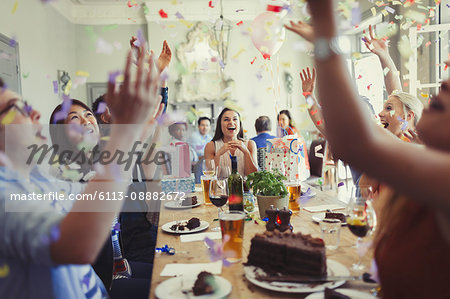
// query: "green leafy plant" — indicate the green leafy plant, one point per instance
point(267, 183)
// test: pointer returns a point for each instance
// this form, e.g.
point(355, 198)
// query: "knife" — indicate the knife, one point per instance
point(300, 279)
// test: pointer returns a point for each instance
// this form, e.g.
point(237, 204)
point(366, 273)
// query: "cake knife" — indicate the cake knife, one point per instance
point(299, 279)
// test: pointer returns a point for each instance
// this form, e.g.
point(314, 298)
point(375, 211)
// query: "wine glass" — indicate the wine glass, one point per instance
point(361, 219)
point(208, 167)
point(218, 195)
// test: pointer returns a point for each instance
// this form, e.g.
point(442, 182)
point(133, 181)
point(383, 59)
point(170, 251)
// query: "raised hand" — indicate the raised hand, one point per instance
point(308, 81)
point(412, 136)
point(135, 103)
point(165, 57)
point(376, 46)
point(303, 29)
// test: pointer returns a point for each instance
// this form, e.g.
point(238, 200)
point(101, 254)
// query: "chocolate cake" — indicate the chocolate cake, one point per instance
point(204, 284)
point(331, 294)
point(191, 224)
point(340, 216)
point(288, 253)
point(189, 201)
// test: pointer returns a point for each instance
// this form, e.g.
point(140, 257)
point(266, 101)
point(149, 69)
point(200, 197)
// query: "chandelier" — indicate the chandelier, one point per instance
point(222, 28)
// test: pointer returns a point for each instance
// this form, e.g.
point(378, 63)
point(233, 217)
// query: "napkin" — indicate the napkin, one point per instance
point(191, 269)
point(201, 236)
point(323, 208)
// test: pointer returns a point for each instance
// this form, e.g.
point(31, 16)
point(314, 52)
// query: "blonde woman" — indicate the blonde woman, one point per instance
point(412, 249)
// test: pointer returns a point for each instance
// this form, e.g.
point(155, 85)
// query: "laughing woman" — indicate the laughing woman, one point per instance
point(415, 229)
point(229, 140)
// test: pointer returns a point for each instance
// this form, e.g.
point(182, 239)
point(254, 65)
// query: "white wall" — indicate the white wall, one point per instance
point(98, 65)
point(251, 93)
point(46, 44)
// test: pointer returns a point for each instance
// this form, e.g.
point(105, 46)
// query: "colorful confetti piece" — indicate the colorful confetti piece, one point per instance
point(163, 14)
point(9, 117)
point(16, 4)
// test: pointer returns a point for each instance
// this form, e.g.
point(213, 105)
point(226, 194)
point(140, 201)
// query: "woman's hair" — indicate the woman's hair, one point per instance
point(288, 114)
point(410, 103)
point(59, 136)
point(218, 135)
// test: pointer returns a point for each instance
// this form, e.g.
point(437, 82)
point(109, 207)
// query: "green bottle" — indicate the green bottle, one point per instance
point(235, 188)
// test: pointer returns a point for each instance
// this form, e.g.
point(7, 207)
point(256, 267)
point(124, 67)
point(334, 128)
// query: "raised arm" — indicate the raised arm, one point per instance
point(379, 47)
point(314, 110)
point(418, 172)
point(85, 228)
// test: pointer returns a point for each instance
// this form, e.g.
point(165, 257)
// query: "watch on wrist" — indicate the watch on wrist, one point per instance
point(324, 48)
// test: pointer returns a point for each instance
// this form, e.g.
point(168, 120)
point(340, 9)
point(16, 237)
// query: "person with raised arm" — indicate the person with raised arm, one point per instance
point(415, 228)
point(47, 252)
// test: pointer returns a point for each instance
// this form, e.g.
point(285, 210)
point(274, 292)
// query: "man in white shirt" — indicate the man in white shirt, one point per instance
point(198, 141)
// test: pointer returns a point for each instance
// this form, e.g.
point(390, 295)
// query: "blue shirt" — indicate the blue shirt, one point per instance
point(261, 138)
point(25, 239)
point(198, 142)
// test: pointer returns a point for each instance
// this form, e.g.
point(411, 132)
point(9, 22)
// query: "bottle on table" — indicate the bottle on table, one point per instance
point(235, 188)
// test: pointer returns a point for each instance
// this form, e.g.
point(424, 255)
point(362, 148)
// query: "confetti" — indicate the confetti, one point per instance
point(369, 86)
point(68, 87)
point(62, 114)
point(274, 8)
point(9, 117)
point(374, 11)
point(386, 71)
point(253, 61)
point(314, 112)
point(4, 271)
point(389, 10)
point(239, 23)
point(425, 95)
point(419, 17)
point(238, 53)
point(110, 27)
point(130, 4)
point(179, 15)
point(404, 123)
point(13, 42)
point(319, 122)
point(162, 14)
point(82, 74)
point(392, 112)
point(210, 4)
point(216, 252)
point(359, 77)
point(239, 10)
point(25, 76)
point(103, 47)
point(55, 87)
point(16, 4)
point(427, 44)
point(113, 76)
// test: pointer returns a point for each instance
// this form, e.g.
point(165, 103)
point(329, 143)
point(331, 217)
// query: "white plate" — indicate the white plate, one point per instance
point(333, 269)
point(176, 204)
point(171, 288)
point(320, 216)
point(348, 292)
point(166, 227)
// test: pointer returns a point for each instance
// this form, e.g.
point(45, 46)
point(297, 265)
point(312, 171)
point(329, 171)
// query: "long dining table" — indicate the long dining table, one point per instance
point(197, 252)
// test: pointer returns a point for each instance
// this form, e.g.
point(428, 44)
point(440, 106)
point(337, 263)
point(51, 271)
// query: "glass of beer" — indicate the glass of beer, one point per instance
point(294, 189)
point(232, 227)
point(206, 181)
point(208, 167)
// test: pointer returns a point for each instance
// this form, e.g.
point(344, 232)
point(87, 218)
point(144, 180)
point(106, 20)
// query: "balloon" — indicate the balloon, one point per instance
point(268, 33)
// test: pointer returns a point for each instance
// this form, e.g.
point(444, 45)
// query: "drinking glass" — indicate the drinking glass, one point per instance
point(218, 194)
point(361, 219)
point(208, 167)
point(232, 226)
point(223, 172)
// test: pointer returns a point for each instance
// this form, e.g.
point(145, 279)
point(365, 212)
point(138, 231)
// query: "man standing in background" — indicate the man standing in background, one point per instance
point(198, 141)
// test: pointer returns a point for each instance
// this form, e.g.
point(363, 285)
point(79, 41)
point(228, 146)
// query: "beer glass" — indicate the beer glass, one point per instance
point(294, 189)
point(206, 181)
point(232, 227)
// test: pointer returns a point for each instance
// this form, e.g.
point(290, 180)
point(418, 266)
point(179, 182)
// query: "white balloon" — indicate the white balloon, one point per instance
point(268, 33)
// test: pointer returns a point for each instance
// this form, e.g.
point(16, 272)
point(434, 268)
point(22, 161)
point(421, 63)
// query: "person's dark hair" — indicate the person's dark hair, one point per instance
point(288, 114)
point(262, 124)
point(100, 99)
point(59, 137)
point(1, 83)
point(203, 118)
point(218, 135)
point(173, 126)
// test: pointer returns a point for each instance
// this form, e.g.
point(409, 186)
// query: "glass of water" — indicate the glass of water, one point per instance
point(331, 231)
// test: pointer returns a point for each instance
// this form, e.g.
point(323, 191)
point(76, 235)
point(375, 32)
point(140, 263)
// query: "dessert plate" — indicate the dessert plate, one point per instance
point(320, 216)
point(176, 204)
point(173, 288)
point(166, 227)
point(334, 269)
point(348, 292)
